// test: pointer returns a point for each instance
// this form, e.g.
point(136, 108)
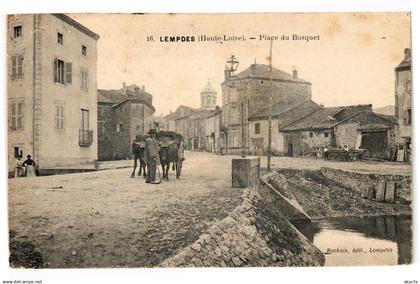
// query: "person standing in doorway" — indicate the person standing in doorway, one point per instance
point(326, 153)
point(29, 165)
point(19, 167)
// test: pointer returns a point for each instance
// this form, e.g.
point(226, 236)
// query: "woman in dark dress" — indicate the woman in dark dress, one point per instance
point(29, 165)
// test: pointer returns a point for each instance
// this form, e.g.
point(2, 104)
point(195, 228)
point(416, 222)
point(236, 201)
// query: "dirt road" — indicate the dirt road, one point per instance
point(106, 219)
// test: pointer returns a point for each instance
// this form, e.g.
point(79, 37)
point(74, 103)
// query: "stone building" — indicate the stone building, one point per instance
point(403, 103)
point(169, 121)
point(51, 90)
point(248, 92)
point(192, 123)
point(213, 131)
point(355, 126)
point(282, 115)
point(122, 114)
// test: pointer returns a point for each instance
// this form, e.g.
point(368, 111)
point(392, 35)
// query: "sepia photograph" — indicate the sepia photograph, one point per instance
point(156, 140)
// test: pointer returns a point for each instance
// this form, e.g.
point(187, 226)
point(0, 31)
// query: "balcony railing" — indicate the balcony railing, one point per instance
point(85, 137)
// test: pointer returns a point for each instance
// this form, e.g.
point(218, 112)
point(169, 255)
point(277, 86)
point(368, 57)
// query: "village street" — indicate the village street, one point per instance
point(107, 219)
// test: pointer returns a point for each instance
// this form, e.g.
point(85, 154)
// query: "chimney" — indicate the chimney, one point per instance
point(143, 88)
point(217, 108)
point(295, 74)
point(124, 85)
point(253, 67)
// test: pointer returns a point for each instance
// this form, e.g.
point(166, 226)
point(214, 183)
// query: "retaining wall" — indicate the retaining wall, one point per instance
point(254, 234)
point(365, 182)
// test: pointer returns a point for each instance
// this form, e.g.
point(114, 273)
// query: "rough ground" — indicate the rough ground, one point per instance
point(106, 219)
point(321, 197)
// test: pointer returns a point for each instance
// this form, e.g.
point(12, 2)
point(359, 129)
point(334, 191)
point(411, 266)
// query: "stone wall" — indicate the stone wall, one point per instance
point(365, 182)
point(254, 234)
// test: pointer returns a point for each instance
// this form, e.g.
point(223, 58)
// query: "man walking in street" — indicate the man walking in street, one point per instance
point(151, 154)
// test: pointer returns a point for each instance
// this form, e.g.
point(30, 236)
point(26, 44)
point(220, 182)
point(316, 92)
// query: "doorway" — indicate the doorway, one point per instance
point(290, 150)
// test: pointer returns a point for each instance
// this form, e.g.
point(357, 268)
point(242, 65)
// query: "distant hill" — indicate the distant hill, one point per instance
point(388, 110)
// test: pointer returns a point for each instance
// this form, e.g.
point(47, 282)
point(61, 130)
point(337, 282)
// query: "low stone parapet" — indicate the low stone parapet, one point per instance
point(254, 234)
point(369, 184)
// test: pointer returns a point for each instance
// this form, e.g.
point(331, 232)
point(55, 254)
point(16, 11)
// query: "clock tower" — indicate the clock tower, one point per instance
point(208, 97)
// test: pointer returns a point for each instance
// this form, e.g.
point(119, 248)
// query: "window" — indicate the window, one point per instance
point(59, 71)
point(17, 31)
point(85, 119)
point(325, 135)
point(84, 50)
point(59, 117)
point(234, 116)
point(311, 134)
point(60, 38)
point(68, 73)
point(16, 115)
point(407, 117)
point(18, 152)
point(62, 72)
point(17, 67)
point(100, 112)
point(119, 127)
point(257, 128)
point(84, 80)
point(100, 127)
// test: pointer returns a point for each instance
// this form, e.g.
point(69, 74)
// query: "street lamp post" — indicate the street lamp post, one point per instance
point(231, 67)
point(270, 110)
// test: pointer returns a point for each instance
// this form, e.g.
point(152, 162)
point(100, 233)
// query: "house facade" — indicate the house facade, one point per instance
point(192, 123)
point(282, 115)
point(170, 120)
point(403, 104)
point(52, 111)
point(335, 127)
point(123, 114)
point(213, 138)
point(247, 93)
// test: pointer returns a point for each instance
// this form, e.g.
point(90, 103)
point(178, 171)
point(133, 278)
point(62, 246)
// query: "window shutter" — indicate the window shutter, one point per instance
point(19, 112)
point(57, 115)
point(14, 66)
point(68, 73)
point(62, 117)
point(20, 66)
point(55, 70)
point(10, 116)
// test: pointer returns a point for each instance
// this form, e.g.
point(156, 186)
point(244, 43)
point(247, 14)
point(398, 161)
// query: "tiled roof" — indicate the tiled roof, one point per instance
point(177, 113)
point(329, 117)
point(263, 71)
point(77, 25)
point(320, 119)
point(119, 96)
point(390, 118)
point(376, 126)
point(103, 99)
point(111, 96)
point(287, 112)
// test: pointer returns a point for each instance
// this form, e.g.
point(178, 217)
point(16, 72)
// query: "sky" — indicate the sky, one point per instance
point(352, 62)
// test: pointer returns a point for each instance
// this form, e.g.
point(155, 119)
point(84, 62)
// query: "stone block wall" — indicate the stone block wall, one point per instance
point(254, 234)
point(365, 182)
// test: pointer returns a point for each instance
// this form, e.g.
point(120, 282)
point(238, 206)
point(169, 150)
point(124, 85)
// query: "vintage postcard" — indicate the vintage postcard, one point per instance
point(209, 140)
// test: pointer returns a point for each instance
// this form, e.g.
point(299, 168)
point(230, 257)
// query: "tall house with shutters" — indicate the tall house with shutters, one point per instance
point(403, 102)
point(52, 109)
